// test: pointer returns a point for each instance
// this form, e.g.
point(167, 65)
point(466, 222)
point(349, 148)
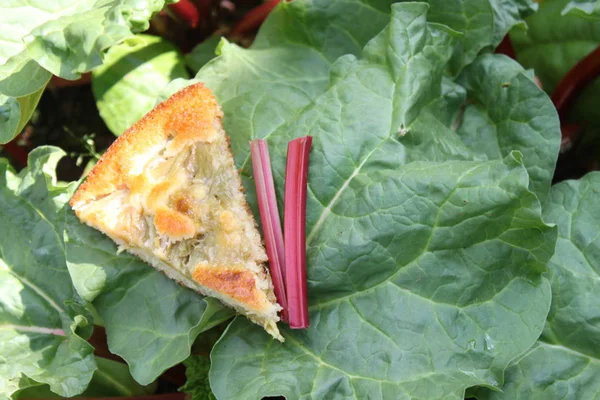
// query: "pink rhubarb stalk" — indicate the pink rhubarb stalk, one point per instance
point(269, 216)
point(296, 177)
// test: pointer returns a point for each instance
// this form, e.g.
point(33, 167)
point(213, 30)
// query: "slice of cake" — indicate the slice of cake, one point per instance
point(168, 191)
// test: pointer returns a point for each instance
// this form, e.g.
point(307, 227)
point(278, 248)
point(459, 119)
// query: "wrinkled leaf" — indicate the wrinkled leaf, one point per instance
point(133, 74)
point(343, 27)
point(42, 324)
point(483, 23)
point(424, 274)
point(393, 318)
point(565, 363)
point(509, 112)
point(61, 37)
point(65, 38)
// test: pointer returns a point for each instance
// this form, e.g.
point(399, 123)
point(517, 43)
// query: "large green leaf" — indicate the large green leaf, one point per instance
point(565, 363)
point(583, 8)
point(553, 44)
point(500, 118)
point(132, 76)
point(111, 379)
point(408, 302)
point(424, 274)
point(65, 38)
point(335, 28)
point(483, 23)
point(42, 324)
point(150, 320)
point(61, 37)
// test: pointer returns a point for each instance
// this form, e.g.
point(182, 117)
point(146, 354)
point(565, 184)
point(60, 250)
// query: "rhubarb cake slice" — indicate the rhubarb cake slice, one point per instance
point(168, 192)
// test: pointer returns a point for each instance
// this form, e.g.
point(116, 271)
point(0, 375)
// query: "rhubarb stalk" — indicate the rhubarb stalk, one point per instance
point(296, 177)
point(269, 216)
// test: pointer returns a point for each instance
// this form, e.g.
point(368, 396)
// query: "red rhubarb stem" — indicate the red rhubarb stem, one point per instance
point(187, 12)
point(506, 47)
point(18, 153)
point(253, 19)
point(296, 178)
point(574, 81)
point(269, 216)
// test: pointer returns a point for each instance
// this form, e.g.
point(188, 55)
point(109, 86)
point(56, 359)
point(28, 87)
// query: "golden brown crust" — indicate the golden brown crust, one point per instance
point(114, 169)
point(237, 283)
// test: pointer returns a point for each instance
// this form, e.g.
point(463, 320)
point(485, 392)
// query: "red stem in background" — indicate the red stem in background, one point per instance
point(505, 47)
point(18, 153)
point(296, 179)
point(187, 12)
point(574, 81)
point(269, 216)
point(58, 83)
point(253, 19)
point(569, 89)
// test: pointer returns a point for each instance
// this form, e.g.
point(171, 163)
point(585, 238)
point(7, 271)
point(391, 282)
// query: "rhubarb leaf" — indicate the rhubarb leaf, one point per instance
point(65, 38)
point(565, 363)
point(61, 37)
point(583, 8)
point(407, 302)
point(499, 118)
point(338, 28)
point(424, 275)
point(552, 45)
point(133, 74)
point(42, 323)
point(111, 379)
point(483, 24)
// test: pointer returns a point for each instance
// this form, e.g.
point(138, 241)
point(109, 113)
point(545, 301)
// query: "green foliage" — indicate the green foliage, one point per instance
point(553, 44)
point(61, 37)
point(42, 324)
point(383, 302)
point(430, 259)
point(132, 76)
point(197, 384)
point(111, 379)
point(565, 362)
point(583, 8)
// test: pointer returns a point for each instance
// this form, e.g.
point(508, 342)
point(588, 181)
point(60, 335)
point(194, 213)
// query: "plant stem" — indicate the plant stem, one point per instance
point(269, 216)
point(296, 178)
